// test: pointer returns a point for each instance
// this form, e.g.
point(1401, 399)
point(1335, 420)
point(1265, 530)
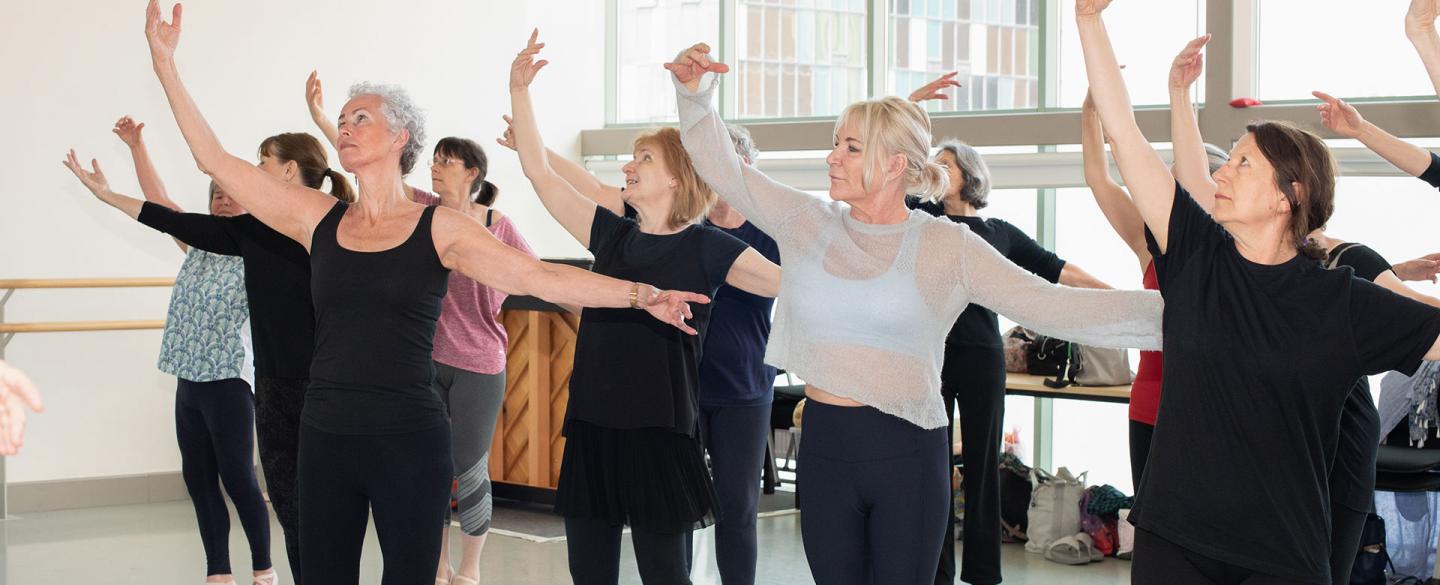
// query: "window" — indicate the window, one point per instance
point(649, 33)
point(994, 50)
point(799, 59)
point(1146, 36)
point(1328, 45)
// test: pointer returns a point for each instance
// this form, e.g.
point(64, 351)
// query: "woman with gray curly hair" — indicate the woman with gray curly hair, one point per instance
point(374, 435)
point(973, 374)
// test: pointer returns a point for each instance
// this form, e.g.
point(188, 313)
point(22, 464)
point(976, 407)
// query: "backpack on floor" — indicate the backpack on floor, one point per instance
point(1054, 507)
point(1014, 498)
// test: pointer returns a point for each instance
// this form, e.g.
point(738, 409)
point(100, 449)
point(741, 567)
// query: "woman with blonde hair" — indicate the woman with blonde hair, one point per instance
point(632, 450)
point(863, 319)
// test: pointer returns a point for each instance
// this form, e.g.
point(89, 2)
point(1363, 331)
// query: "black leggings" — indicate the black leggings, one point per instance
point(974, 377)
point(593, 545)
point(1140, 436)
point(876, 490)
point(278, 404)
point(1160, 561)
point(214, 425)
point(403, 479)
point(1346, 528)
point(735, 437)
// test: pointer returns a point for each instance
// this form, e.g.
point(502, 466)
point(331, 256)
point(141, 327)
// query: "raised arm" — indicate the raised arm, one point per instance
point(755, 274)
point(1343, 119)
point(763, 201)
point(1391, 281)
point(466, 246)
point(151, 187)
point(315, 100)
point(1151, 185)
point(1192, 166)
point(1114, 202)
point(1420, 29)
point(574, 212)
point(590, 186)
point(289, 209)
point(1424, 268)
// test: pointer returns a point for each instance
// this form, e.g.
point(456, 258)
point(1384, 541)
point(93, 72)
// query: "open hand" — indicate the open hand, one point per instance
point(935, 89)
point(523, 70)
point(128, 131)
point(1421, 16)
point(694, 62)
point(163, 36)
point(1426, 267)
point(315, 95)
point(673, 307)
point(1189, 64)
point(93, 180)
point(1340, 117)
point(17, 393)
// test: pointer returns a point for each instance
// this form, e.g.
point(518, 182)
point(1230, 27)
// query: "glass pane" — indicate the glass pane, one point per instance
point(648, 33)
point(1146, 35)
point(814, 54)
point(938, 41)
point(1369, 58)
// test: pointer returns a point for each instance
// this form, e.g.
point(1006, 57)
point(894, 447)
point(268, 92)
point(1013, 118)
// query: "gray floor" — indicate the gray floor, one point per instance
point(156, 544)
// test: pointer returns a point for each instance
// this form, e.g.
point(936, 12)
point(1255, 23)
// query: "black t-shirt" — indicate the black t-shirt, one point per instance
point(978, 326)
point(1352, 478)
point(277, 283)
point(631, 370)
point(1259, 361)
point(733, 372)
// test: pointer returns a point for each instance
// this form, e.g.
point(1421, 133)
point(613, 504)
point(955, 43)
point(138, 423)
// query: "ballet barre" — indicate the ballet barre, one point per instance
point(1031, 385)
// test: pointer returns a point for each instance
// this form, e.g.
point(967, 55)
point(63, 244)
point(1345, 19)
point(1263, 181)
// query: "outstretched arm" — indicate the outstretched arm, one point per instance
point(1192, 166)
point(1343, 119)
point(935, 90)
point(315, 99)
point(587, 184)
point(755, 274)
point(1114, 202)
point(289, 209)
point(466, 246)
point(574, 212)
point(1151, 185)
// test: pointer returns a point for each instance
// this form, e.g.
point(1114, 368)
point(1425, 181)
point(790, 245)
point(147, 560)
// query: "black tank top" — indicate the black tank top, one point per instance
point(375, 318)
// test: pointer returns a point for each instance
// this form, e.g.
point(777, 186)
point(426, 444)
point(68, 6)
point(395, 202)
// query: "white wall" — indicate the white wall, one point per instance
point(70, 70)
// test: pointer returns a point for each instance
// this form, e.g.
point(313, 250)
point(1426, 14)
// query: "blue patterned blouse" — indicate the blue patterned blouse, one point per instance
point(207, 330)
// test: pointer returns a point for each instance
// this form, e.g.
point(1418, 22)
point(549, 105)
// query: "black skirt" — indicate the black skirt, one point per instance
point(651, 478)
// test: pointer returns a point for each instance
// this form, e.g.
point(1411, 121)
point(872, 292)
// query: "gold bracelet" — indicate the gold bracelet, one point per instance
point(634, 295)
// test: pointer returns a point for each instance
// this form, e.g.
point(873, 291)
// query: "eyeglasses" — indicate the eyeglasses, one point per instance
point(444, 162)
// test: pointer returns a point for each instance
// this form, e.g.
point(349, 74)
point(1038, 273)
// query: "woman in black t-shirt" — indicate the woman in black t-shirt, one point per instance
point(1262, 346)
point(973, 374)
point(1352, 473)
point(632, 451)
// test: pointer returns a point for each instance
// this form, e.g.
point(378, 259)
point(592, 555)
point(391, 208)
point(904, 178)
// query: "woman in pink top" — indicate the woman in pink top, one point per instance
point(469, 352)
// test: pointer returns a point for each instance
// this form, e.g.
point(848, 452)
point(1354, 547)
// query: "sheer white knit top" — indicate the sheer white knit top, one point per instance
point(862, 312)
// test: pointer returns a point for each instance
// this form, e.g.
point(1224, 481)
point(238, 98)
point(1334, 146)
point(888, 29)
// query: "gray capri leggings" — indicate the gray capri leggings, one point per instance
point(474, 402)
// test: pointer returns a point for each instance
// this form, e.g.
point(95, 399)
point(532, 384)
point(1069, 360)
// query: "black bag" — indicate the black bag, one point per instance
point(1015, 491)
point(1372, 558)
point(1048, 356)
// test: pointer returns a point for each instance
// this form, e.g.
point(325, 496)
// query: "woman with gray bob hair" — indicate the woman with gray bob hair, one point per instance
point(973, 372)
point(402, 114)
point(374, 434)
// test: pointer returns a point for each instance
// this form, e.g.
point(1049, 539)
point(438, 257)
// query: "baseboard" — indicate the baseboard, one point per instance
point(96, 492)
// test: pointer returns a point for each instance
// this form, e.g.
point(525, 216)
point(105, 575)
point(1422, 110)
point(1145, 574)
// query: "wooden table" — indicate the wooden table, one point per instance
point(1028, 385)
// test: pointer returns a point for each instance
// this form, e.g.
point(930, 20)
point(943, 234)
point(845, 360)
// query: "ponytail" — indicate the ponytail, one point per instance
point(339, 186)
point(487, 193)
